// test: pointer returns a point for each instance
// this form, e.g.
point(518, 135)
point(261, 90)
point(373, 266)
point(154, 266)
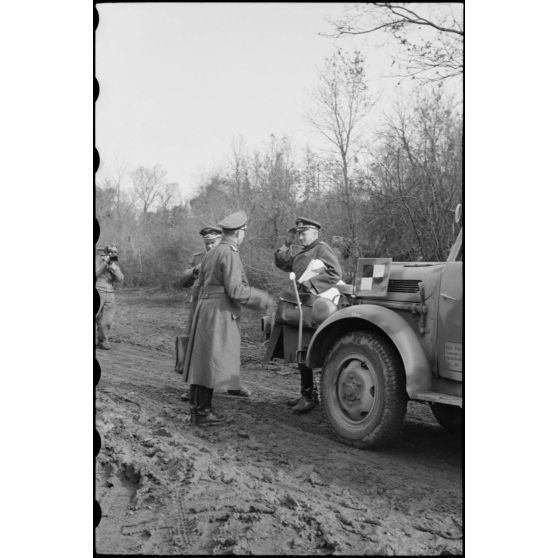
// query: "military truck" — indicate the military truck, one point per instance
point(394, 335)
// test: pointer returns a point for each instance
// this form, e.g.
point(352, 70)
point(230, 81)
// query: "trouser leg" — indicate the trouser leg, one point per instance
point(194, 403)
point(200, 399)
point(205, 399)
point(307, 387)
point(101, 335)
point(106, 316)
point(204, 414)
point(308, 390)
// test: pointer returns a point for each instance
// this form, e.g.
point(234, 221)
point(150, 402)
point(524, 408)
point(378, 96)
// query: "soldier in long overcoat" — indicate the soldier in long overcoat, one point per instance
point(213, 355)
point(211, 235)
point(329, 276)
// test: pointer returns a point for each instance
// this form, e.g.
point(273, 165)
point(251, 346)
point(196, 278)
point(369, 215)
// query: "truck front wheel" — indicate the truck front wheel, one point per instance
point(363, 390)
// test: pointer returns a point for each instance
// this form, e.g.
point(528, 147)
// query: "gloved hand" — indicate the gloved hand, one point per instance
point(305, 286)
point(291, 235)
point(259, 300)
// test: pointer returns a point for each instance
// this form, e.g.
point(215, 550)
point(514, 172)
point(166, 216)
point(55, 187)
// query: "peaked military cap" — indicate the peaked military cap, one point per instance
point(234, 221)
point(211, 231)
point(302, 223)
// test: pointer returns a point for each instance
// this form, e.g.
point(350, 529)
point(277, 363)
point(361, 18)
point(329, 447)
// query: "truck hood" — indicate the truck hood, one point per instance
point(405, 277)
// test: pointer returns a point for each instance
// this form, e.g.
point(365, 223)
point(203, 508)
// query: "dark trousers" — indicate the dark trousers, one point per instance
point(307, 387)
point(200, 399)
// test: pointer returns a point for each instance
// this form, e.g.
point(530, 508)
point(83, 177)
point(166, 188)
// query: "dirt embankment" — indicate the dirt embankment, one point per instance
point(266, 481)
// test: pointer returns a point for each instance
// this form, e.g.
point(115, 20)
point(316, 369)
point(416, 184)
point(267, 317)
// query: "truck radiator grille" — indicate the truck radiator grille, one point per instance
point(403, 286)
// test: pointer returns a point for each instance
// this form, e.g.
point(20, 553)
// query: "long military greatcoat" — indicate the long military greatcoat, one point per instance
point(213, 356)
point(298, 263)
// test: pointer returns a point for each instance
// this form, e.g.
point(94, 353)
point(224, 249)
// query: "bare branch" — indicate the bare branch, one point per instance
point(418, 20)
point(439, 57)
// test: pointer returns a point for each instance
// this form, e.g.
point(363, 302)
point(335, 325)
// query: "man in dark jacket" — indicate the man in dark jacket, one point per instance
point(329, 275)
point(213, 355)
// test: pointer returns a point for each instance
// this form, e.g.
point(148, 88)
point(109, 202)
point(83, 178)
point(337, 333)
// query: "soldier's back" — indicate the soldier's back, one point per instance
point(211, 265)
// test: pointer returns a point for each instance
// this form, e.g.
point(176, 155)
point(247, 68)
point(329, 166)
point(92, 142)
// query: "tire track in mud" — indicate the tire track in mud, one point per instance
point(269, 481)
point(255, 415)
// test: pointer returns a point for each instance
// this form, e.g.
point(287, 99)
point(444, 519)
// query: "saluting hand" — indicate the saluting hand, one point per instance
point(290, 238)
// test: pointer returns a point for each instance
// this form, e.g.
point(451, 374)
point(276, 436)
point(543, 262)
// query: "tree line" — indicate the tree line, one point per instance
point(388, 193)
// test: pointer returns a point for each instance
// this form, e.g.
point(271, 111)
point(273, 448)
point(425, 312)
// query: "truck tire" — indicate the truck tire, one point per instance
point(448, 416)
point(363, 397)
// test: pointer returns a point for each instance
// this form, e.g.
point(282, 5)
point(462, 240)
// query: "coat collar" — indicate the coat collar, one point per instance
point(229, 242)
point(313, 245)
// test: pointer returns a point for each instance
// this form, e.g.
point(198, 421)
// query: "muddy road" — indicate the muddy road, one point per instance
point(266, 481)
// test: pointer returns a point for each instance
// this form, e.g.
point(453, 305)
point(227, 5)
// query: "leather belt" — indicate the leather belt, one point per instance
point(212, 291)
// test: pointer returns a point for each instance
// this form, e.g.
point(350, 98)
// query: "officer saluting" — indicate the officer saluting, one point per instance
point(314, 249)
point(213, 356)
point(330, 274)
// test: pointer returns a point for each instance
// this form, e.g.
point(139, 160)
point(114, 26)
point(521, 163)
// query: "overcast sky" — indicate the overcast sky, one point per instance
point(179, 81)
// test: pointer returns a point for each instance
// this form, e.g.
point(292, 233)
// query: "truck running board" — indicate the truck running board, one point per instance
point(436, 397)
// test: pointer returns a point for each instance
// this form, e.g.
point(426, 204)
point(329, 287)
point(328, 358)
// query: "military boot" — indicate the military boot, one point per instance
point(308, 391)
point(193, 404)
point(208, 417)
point(205, 413)
point(307, 402)
point(241, 392)
point(293, 402)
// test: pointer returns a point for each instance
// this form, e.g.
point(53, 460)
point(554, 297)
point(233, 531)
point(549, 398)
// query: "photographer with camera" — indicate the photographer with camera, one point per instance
point(107, 273)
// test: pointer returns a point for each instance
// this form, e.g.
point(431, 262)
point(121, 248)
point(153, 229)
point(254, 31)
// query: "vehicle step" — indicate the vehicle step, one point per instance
point(436, 397)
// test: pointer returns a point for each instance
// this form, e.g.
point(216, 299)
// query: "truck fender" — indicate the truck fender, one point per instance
point(417, 368)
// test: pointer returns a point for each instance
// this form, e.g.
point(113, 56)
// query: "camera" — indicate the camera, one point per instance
point(110, 251)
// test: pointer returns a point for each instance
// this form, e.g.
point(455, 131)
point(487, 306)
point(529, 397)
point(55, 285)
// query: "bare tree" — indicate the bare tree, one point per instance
point(415, 179)
point(113, 177)
point(168, 195)
point(149, 185)
point(340, 103)
point(239, 174)
point(431, 34)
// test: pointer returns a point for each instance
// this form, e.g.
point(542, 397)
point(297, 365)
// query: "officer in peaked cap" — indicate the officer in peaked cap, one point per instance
point(303, 224)
point(313, 249)
point(211, 235)
point(213, 356)
point(234, 222)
